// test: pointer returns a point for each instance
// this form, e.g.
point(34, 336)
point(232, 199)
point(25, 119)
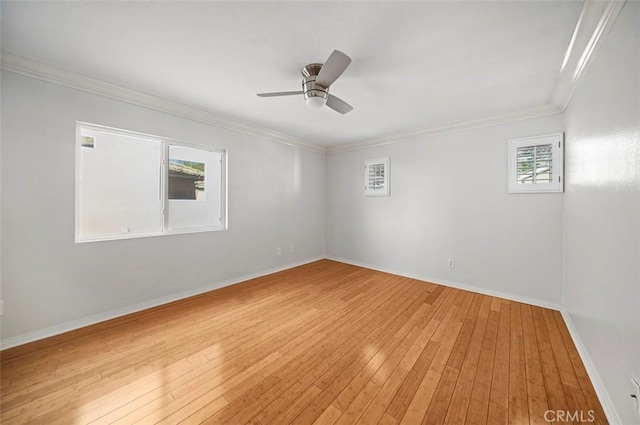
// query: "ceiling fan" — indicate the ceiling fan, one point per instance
point(316, 81)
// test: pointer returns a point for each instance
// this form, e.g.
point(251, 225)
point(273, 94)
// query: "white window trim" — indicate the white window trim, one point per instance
point(372, 192)
point(557, 142)
point(166, 142)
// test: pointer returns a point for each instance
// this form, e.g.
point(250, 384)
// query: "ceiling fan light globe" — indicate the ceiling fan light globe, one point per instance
point(315, 101)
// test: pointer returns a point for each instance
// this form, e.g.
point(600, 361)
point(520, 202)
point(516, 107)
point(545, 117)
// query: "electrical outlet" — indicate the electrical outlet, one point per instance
point(278, 251)
point(635, 395)
point(292, 248)
point(451, 263)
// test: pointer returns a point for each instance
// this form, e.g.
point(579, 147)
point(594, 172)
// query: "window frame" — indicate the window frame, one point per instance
point(165, 143)
point(556, 140)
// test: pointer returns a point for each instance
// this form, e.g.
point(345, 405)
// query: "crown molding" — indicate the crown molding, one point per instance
point(594, 23)
point(450, 127)
point(30, 68)
point(34, 69)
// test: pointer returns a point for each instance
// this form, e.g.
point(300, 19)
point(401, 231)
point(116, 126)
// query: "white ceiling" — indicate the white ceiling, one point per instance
point(415, 64)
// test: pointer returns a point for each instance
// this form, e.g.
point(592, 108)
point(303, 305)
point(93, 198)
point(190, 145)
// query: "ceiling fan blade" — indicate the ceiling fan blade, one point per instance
point(338, 104)
point(332, 68)
point(280, 93)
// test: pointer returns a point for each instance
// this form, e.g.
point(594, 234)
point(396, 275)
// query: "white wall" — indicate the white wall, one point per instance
point(449, 200)
point(602, 210)
point(276, 198)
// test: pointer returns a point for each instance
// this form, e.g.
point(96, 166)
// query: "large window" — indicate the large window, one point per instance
point(536, 164)
point(133, 185)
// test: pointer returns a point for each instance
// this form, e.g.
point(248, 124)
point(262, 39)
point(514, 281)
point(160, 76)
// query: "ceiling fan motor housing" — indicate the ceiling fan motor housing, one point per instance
point(314, 94)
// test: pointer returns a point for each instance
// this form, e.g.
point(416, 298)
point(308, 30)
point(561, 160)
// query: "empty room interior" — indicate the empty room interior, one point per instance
point(320, 212)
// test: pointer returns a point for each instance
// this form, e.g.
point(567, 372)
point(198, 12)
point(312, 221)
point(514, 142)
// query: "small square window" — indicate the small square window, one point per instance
point(376, 177)
point(536, 164)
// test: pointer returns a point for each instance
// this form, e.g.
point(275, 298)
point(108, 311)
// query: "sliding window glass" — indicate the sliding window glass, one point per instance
point(195, 188)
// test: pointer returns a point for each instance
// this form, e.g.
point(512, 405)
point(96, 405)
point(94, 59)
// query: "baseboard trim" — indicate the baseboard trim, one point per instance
point(598, 384)
point(457, 285)
point(113, 314)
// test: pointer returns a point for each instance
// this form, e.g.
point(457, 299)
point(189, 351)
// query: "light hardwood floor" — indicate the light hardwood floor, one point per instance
point(323, 343)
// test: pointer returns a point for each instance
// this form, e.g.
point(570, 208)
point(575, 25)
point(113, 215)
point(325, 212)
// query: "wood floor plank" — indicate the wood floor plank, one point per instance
point(387, 420)
point(402, 398)
point(207, 409)
point(400, 343)
point(479, 401)
point(435, 408)
point(422, 398)
point(376, 409)
point(537, 396)
point(279, 405)
point(552, 382)
point(499, 397)
point(518, 405)
point(454, 351)
point(461, 397)
point(355, 409)
point(298, 405)
point(415, 363)
point(426, 351)
point(329, 416)
point(443, 339)
point(325, 343)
